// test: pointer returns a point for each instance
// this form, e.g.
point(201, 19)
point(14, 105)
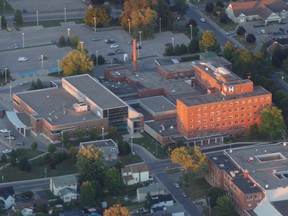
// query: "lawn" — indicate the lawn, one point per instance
point(229, 26)
point(130, 159)
point(197, 188)
point(150, 144)
point(12, 173)
point(50, 23)
point(244, 43)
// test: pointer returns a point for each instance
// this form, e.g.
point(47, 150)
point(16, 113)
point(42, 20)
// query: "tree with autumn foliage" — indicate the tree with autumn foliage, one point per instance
point(208, 42)
point(98, 14)
point(140, 15)
point(91, 164)
point(228, 51)
point(116, 210)
point(191, 159)
point(272, 122)
point(76, 62)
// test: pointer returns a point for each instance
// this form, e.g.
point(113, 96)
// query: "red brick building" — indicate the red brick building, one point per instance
point(230, 106)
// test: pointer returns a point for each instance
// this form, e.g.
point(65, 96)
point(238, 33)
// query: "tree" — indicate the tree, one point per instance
point(285, 65)
point(51, 148)
point(208, 42)
point(209, 7)
point(62, 41)
point(3, 21)
point(76, 62)
point(250, 38)
point(169, 51)
point(116, 210)
point(100, 15)
point(101, 60)
point(91, 165)
point(181, 5)
point(18, 19)
point(3, 158)
point(124, 148)
point(24, 164)
point(213, 194)
point(220, 4)
point(272, 122)
point(141, 16)
point(228, 51)
point(34, 146)
point(97, 2)
point(241, 31)
point(163, 11)
point(193, 46)
point(74, 41)
point(224, 18)
point(113, 181)
point(190, 158)
point(225, 206)
point(87, 194)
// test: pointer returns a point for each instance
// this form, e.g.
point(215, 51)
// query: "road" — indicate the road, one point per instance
point(193, 12)
point(21, 186)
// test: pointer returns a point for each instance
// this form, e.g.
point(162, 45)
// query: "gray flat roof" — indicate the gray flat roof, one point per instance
point(156, 105)
point(100, 143)
point(223, 162)
point(55, 105)
point(167, 127)
point(95, 91)
point(263, 171)
point(217, 97)
point(173, 68)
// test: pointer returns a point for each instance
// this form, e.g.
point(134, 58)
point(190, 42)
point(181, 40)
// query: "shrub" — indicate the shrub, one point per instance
point(209, 7)
point(241, 31)
point(250, 38)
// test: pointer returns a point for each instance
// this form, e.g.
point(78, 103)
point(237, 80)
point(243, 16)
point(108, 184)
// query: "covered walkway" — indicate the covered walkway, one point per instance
point(19, 125)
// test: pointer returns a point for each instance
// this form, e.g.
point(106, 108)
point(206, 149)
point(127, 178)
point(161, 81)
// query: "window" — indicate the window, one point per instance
point(224, 105)
point(217, 106)
point(211, 120)
point(249, 101)
point(198, 122)
point(237, 103)
point(249, 107)
point(236, 109)
point(191, 120)
point(205, 108)
point(249, 197)
point(212, 113)
point(242, 108)
point(218, 113)
point(224, 111)
point(242, 115)
point(243, 102)
point(236, 122)
point(191, 126)
point(255, 107)
point(205, 127)
point(230, 123)
point(205, 114)
point(230, 117)
point(218, 119)
point(255, 100)
point(236, 116)
point(212, 107)
point(204, 121)
point(230, 104)
point(224, 117)
point(230, 110)
point(198, 109)
point(198, 115)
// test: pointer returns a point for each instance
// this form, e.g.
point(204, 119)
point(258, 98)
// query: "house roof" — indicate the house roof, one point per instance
point(5, 192)
point(150, 188)
point(162, 198)
point(66, 191)
point(263, 8)
point(61, 181)
point(135, 168)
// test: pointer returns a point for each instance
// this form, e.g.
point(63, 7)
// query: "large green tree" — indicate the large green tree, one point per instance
point(164, 13)
point(91, 165)
point(214, 193)
point(113, 181)
point(76, 62)
point(208, 42)
point(100, 15)
point(272, 122)
point(228, 50)
point(87, 194)
point(225, 206)
point(18, 19)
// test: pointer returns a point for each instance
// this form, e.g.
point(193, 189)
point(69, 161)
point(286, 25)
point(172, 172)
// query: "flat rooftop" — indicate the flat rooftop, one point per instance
point(95, 91)
point(218, 97)
point(55, 105)
point(177, 68)
point(157, 105)
point(266, 164)
point(223, 162)
point(99, 143)
point(167, 127)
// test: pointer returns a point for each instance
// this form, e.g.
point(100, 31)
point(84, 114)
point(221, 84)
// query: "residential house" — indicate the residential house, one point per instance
point(108, 147)
point(266, 10)
point(65, 187)
point(7, 197)
point(153, 189)
point(135, 173)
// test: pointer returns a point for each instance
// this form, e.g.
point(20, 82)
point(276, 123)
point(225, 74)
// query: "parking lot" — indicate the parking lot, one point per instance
point(37, 42)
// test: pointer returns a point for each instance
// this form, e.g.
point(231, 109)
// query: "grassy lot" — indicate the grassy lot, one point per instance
point(130, 159)
point(230, 26)
point(12, 173)
point(244, 43)
point(150, 144)
point(198, 188)
point(51, 23)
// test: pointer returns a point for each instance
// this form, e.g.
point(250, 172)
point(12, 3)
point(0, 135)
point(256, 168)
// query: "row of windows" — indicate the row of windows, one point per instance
point(224, 123)
point(228, 130)
point(237, 109)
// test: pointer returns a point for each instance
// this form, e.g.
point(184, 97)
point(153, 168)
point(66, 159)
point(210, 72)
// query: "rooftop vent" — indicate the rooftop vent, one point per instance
point(80, 107)
point(232, 173)
point(270, 157)
point(214, 158)
point(284, 143)
point(250, 159)
point(171, 127)
point(221, 165)
point(266, 186)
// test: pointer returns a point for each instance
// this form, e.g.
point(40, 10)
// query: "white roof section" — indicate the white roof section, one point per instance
point(265, 208)
point(13, 118)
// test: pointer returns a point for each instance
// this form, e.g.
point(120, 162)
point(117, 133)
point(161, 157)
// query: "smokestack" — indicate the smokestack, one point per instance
point(135, 66)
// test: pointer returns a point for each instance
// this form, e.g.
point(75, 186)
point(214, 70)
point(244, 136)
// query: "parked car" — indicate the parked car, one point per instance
point(44, 58)
point(19, 144)
point(97, 39)
point(16, 46)
point(109, 41)
point(114, 46)
point(184, 194)
point(11, 137)
point(22, 59)
point(111, 54)
point(5, 131)
point(177, 185)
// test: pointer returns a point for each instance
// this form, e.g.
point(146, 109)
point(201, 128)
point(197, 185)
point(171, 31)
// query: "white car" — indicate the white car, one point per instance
point(5, 131)
point(114, 46)
point(203, 19)
point(6, 151)
point(22, 59)
point(177, 185)
point(16, 46)
point(10, 137)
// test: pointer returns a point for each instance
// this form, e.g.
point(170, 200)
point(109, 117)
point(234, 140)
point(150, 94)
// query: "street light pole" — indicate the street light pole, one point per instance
point(68, 32)
point(191, 32)
point(42, 62)
point(172, 42)
point(102, 131)
point(5, 75)
point(129, 26)
point(97, 59)
point(131, 143)
point(37, 17)
point(62, 139)
point(140, 32)
point(10, 93)
point(23, 39)
point(81, 43)
point(95, 22)
point(58, 67)
point(64, 14)
point(0, 22)
point(160, 25)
